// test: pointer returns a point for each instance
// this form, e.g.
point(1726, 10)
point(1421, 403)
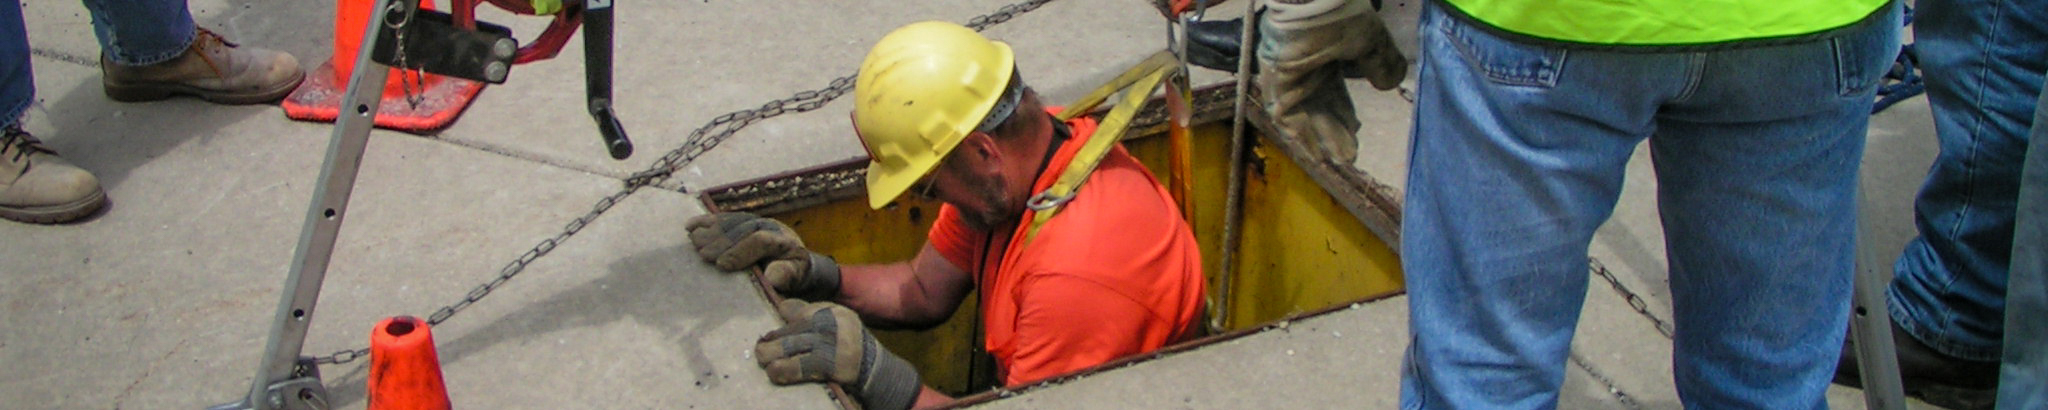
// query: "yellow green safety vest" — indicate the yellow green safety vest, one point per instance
point(1665, 22)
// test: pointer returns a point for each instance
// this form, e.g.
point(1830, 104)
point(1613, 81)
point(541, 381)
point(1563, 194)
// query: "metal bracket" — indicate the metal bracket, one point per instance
point(434, 44)
point(301, 392)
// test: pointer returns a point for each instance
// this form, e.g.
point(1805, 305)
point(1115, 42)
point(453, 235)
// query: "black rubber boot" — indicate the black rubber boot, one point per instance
point(1929, 375)
point(1214, 43)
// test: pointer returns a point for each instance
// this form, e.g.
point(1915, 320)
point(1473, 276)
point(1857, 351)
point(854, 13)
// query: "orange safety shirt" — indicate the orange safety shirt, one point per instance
point(1115, 273)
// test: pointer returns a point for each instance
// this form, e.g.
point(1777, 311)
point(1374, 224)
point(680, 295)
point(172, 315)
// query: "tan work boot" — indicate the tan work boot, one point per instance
point(38, 187)
point(212, 69)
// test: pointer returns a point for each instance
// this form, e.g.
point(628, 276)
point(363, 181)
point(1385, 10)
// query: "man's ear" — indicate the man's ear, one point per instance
point(983, 147)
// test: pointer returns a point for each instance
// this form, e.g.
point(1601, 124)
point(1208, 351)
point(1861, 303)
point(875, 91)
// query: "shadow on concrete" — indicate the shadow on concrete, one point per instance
point(646, 288)
point(112, 139)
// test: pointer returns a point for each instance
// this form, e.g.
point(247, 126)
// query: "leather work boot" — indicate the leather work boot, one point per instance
point(212, 68)
point(1929, 375)
point(1216, 44)
point(38, 187)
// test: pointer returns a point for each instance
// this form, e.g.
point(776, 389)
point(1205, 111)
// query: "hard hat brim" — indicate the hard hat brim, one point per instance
point(885, 185)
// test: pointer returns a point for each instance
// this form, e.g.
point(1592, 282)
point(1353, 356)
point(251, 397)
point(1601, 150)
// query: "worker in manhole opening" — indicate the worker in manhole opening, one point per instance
point(1064, 283)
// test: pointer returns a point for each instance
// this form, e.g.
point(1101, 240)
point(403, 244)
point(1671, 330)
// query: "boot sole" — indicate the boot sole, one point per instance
point(55, 214)
point(144, 92)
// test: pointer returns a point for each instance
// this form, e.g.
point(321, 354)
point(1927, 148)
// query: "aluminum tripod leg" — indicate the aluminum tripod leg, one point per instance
point(285, 380)
point(1870, 323)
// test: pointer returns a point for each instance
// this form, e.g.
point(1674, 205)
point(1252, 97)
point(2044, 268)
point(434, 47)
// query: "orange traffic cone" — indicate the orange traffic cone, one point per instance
point(405, 374)
point(434, 102)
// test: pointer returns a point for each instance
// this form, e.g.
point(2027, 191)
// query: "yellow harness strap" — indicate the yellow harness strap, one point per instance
point(1137, 84)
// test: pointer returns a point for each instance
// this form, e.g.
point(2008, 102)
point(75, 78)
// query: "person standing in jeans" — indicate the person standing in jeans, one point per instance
point(1984, 62)
point(1526, 115)
point(149, 50)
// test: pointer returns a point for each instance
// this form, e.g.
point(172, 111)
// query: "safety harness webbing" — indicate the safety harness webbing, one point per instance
point(1137, 84)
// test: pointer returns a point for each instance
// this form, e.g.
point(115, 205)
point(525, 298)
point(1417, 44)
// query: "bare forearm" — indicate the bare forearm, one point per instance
point(914, 294)
point(885, 295)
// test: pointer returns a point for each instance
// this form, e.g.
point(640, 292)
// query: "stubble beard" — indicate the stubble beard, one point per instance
point(1001, 211)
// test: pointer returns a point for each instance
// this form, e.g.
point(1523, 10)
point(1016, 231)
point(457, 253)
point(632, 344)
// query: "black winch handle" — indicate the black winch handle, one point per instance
point(597, 74)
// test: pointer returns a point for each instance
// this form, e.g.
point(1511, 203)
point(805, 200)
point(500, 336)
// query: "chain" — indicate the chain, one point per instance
point(983, 22)
point(1634, 302)
point(1626, 400)
point(407, 76)
point(700, 141)
point(704, 138)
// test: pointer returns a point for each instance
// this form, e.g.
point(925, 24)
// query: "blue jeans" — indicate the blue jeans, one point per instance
point(131, 32)
point(1517, 156)
point(2023, 378)
point(1983, 61)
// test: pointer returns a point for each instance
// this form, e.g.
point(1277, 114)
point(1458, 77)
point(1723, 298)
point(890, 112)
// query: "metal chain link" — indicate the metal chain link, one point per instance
point(407, 76)
point(700, 141)
point(1626, 400)
point(1634, 302)
point(704, 138)
point(983, 22)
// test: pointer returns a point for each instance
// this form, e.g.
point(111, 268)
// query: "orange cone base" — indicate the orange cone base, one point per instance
point(319, 99)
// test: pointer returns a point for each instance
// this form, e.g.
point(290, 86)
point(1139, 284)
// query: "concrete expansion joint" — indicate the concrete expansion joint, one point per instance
point(529, 157)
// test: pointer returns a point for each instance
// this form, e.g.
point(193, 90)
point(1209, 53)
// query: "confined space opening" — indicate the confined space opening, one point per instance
point(1276, 278)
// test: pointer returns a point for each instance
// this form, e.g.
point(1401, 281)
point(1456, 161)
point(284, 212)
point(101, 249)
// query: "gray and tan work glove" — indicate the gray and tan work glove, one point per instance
point(1306, 49)
point(825, 342)
point(739, 240)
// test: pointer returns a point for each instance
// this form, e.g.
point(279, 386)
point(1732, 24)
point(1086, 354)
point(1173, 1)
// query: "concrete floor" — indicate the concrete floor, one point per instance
point(163, 300)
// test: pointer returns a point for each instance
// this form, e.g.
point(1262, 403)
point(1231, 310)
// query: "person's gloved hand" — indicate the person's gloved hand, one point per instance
point(739, 240)
point(1306, 49)
point(825, 342)
point(1305, 35)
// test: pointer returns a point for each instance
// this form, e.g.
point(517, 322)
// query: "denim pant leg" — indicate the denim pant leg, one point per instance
point(2023, 378)
point(1756, 177)
point(1518, 154)
point(1983, 60)
point(141, 32)
point(17, 84)
point(1516, 157)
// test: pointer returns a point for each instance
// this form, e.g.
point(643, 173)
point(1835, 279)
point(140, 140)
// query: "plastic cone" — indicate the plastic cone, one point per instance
point(439, 98)
point(405, 374)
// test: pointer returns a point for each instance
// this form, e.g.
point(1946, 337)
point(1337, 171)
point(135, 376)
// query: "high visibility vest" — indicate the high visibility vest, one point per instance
point(1665, 22)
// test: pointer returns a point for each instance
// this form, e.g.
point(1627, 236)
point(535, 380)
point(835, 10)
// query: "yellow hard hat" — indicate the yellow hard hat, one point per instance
point(921, 90)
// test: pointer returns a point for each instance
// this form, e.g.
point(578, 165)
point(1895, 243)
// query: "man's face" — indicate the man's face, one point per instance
point(965, 180)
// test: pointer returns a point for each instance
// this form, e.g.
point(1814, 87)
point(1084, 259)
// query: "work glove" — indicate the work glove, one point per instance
point(739, 240)
point(825, 342)
point(1306, 49)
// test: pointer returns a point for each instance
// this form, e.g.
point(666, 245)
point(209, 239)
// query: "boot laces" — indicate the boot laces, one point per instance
point(21, 144)
point(206, 39)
